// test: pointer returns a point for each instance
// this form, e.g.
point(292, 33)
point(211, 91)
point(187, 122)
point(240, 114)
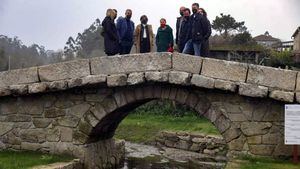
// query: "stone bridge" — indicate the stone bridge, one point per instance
point(74, 107)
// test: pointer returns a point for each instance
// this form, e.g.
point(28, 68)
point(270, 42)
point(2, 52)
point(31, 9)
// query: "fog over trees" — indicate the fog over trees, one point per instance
point(14, 54)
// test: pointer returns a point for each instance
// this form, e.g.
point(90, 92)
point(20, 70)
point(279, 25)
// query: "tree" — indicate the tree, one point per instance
point(225, 24)
point(3, 61)
point(90, 43)
point(242, 38)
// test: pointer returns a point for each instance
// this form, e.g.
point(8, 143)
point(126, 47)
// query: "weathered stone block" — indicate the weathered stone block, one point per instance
point(222, 123)
point(78, 110)
point(53, 135)
point(181, 78)
point(181, 96)
point(184, 145)
point(68, 121)
point(109, 105)
point(76, 82)
point(5, 91)
point(231, 134)
point(254, 139)
point(33, 135)
point(225, 85)
point(98, 111)
point(41, 122)
point(18, 89)
point(94, 79)
point(18, 118)
point(91, 119)
point(255, 128)
point(264, 150)
point(272, 77)
point(225, 70)
point(54, 112)
point(157, 76)
point(273, 138)
point(135, 78)
point(66, 134)
point(252, 90)
point(237, 144)
point(79, 137)
point(120, 99)
point(130, 94)
point(31, 146)
point(19, 76)
point(57, 85)
point(85, 127)
point(5, 127)
point(131, 63)
point(117, 80)
point(65, 70)
point(282, 96)
point(37, 88)
point(202, 81)
point(187, 63)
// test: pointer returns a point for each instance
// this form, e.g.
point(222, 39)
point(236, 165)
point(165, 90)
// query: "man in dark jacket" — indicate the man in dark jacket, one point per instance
point(125, 29)
point(197, 32)
point(178, 26)
point(111, 38)
point(185, 33)
point(205, 44)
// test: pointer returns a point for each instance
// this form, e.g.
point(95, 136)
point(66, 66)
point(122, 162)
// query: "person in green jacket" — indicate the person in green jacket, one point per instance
point(164, 37)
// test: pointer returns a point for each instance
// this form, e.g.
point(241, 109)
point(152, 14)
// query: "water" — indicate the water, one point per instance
point(140, 156)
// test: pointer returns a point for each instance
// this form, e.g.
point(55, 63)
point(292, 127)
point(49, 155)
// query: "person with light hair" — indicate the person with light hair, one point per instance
point(111, 38)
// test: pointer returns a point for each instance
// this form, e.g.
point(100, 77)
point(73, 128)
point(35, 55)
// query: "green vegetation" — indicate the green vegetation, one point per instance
point(281, 59)
point(142, 125)
point(26, 159)
point(232, 47)
point(248, 162)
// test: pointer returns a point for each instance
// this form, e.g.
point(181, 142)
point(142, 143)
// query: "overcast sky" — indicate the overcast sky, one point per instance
point(51, 22)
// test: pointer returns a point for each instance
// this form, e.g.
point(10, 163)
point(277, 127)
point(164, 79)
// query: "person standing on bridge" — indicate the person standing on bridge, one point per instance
point(111, 38)
point(143, 36)
point(205, 44)
point(164, 37)
point(125, 28)
point(198, 27)
point(178, 28)
point(185, 33)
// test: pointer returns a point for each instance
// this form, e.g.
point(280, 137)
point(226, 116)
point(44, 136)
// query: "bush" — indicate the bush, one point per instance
point(280, 59)
point(163, 107)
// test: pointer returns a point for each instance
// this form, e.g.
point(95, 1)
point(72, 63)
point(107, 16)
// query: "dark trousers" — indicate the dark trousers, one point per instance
point(125, 47)
point(145, 45)
point(180, 47)
point(205, 48)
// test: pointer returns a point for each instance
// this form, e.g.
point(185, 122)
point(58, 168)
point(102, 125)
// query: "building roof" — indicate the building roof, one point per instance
point(296, 32)
point(265, 38)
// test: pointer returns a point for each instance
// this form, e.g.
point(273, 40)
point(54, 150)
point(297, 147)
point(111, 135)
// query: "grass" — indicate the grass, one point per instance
point(265, 163)
point(142, 125)
point(28, 159)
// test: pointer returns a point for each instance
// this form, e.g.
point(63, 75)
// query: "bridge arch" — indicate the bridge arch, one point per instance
point(74, 107)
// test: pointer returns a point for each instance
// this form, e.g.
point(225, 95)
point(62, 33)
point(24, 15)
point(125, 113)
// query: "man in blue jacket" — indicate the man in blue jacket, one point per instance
point(125, 29)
